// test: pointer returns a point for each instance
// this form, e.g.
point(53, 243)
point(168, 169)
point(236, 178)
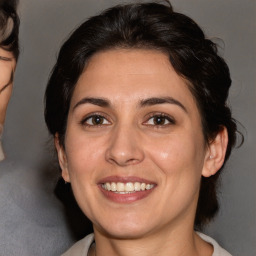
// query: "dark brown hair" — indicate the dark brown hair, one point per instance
point(9, 26)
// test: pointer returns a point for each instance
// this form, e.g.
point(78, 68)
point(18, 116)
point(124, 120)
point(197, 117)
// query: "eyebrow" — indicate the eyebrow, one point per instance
point(162, 100)
point(101, 102)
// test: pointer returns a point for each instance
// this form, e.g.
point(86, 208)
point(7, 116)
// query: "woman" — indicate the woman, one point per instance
point(137, 106)
point(9, 52)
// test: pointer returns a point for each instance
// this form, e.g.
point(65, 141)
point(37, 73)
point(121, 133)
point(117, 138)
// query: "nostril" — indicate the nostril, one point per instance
point(124, 158)
point(124, 146)
point(123, 161)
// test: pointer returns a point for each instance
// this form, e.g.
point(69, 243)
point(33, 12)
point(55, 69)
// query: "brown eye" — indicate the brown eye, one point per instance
point(96, 120)
point(160, 120)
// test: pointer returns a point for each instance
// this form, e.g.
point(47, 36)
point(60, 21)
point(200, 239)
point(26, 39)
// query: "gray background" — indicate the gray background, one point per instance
point(32, 221)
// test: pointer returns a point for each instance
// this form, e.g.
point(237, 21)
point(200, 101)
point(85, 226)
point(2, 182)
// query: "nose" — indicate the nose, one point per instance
point(125, 146)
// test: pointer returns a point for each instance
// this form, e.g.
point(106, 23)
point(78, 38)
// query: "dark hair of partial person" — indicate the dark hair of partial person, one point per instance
point(9, 26)
point(150, 26)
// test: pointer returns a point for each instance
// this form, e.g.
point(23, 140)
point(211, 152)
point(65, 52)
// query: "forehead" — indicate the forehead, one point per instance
point(129, 68)
point(135, 61)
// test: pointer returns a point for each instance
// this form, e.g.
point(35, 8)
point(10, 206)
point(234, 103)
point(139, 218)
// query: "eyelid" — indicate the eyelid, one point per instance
point(5, 58)
point(159, 114)
point(93, 114)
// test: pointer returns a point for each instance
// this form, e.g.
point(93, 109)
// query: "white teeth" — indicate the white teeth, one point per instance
point(113, 186)
point(137, 186)
point(107, 186)
point(124, 188)
point(129, 187)
point(120, 186)
point(148, 186)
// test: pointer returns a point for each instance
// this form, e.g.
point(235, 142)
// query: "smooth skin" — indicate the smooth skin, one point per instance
point(7, 68)
point(131, 114)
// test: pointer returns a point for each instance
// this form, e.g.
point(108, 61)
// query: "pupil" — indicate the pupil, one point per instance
point(159, 120)
point(97, 120)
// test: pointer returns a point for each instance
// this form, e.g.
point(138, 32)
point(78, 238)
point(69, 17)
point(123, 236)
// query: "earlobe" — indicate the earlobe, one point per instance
point(62, 158)
point(215, 154)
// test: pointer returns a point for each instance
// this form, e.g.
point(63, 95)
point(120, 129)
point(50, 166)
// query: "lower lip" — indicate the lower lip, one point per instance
point(126, 198)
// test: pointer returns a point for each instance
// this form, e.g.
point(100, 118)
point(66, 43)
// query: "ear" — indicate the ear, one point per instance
point(62, 158)
point(215, 154)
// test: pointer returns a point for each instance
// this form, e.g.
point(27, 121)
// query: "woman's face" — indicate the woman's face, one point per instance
point(7, 67)
point(133, 126)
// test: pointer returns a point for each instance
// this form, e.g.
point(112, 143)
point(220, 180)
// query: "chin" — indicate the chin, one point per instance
point(124, 229)
point(127, 234)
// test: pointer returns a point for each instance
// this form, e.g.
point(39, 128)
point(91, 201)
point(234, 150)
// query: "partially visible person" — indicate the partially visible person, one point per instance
point(30, 221)
point(9, 52)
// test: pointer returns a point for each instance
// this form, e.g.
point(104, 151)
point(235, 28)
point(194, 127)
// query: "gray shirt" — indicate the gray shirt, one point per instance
point(81, 248)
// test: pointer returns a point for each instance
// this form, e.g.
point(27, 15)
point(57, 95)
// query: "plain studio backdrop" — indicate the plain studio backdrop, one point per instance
point(32, 220)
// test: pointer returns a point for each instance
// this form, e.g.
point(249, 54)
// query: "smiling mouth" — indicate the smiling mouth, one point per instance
point(126, 188)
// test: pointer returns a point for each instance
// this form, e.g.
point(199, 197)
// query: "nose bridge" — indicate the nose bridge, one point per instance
point(124, 145)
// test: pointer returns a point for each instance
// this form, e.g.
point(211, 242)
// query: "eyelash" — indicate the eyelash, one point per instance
point(163, 116)
point(84, 122)
point(104, 120)
point(5, 58)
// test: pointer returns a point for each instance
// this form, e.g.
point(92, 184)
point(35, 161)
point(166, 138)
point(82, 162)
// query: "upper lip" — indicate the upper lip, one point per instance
point(125, 179)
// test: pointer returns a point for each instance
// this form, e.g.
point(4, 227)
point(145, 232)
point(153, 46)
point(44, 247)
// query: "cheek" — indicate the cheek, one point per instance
point(4, 99)
point(83, 154)
point(5, 74)
point(177, 153)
